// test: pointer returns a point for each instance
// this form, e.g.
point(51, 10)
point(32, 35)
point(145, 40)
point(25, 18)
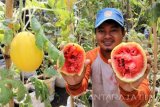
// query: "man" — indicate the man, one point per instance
point(107, 90)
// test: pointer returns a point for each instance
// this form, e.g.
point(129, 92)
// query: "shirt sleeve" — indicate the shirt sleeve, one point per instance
point(139, 97)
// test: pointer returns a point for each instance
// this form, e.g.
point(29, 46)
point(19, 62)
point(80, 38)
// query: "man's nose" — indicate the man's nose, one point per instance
point(108, 35)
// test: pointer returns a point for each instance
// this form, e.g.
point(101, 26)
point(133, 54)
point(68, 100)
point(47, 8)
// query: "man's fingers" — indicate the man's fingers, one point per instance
point(149, 60)
point(147, 53)
point(147, 70)
point(109, 61)
point(87, 62)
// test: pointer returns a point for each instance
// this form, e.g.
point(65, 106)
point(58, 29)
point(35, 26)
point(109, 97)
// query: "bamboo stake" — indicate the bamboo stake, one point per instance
point(127, 15)
point(155, 63)
point(71, 29)
point(72, 101)
point(155, 45)
point(8, 15)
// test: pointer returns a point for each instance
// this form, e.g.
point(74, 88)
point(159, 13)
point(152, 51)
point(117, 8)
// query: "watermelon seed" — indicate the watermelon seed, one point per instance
point(122, 60)
point(119, 63)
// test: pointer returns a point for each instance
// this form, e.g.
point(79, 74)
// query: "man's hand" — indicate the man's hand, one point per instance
point(76, 79)
point(133, 86)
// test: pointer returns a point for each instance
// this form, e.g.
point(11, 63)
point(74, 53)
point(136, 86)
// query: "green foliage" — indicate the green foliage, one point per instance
point(8, 36)
point(6, 31)
point(87, 46)
point(53, 52)
point(43, 42)
point(85, 98)
point(41, 91)
point(35, 25)
point(154, 11)
point(50, 72)
point(5, 73)
point(55, 25)
point(34, 3)
point(12, 88)
point(134, 36)
point(5, 94)
point(65, 18)
point(61, 60)
point(18, 89)
point(2, 11)
point(51, 3)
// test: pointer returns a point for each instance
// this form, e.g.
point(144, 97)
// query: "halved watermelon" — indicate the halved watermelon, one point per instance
point(74, 59)
point(129, 61)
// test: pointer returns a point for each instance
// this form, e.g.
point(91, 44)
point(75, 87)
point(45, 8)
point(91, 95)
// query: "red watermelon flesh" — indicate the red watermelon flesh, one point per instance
point(74, 59)
point(129, 61)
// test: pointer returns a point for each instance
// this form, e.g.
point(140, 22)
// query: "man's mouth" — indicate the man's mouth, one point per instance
point(108, 43)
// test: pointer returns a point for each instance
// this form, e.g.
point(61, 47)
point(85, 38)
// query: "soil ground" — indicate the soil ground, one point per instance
point(60, 97)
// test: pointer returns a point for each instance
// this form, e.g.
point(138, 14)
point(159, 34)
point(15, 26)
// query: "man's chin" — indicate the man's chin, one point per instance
point(107, 48)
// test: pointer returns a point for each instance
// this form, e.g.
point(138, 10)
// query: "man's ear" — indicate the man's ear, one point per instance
point(123, 32)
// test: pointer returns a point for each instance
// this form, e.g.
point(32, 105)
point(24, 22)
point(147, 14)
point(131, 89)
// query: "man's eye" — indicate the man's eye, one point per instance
point(100, 31)
point(113, 30)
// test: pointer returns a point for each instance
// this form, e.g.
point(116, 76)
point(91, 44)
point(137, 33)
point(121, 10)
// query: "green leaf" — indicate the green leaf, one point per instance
point(4, 73)
point(51, 3)
point(25, 104)
point(17, 89)
point(154, 11)
point(60, 4)
point(1, 6)
point(5, 94)
point(35, 25)
point(35, 83)
point(53, 52)
point(8, 36)
point(21, 90)
point(27, 100)
point(40, 41)
point(50, 71)
point(34, 3)
point(41, 89)
point(43, 42)
point(40, 37)
point(47, 103)
point(61, 60)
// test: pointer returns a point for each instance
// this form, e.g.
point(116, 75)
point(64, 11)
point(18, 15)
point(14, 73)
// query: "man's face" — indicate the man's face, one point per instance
point(109, 35)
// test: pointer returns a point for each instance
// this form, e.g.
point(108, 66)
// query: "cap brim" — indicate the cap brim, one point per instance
point(106, 20)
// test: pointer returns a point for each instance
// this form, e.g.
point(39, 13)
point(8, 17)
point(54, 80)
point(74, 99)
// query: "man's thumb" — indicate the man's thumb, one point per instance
point(87, 61)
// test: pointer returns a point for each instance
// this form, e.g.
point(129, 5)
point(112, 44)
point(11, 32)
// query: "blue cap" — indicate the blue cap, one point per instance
point(107, 14)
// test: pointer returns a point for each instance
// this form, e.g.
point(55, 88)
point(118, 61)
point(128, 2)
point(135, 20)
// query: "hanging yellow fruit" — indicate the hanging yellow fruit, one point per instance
point(24, 52)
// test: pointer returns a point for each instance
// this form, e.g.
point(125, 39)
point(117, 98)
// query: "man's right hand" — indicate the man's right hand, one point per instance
point(76, 79)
